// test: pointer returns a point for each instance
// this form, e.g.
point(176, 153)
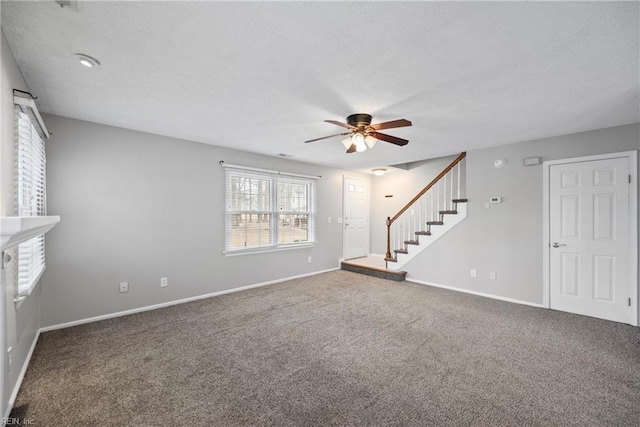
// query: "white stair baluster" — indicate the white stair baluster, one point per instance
point(451, 197)
point(407, 221)
point(431, 210)
point(458, 193)
point(438, 207)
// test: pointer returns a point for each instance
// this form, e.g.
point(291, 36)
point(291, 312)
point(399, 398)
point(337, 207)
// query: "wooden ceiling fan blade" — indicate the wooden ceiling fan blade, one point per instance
point(352, 149)
point(389, 138)
point(392, 124)
point(344, 125)
point(330, 136)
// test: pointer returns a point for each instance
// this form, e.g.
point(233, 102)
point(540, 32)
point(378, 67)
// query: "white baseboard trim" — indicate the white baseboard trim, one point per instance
point(176, 302)
point(481, 294)
point(23, 371)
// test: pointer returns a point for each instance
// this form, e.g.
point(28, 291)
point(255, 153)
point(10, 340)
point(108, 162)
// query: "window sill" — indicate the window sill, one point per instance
point(17, 229)
point(240, 252)
point(22, 294)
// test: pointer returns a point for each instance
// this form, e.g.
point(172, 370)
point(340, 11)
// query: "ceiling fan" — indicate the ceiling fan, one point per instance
point(363, 134)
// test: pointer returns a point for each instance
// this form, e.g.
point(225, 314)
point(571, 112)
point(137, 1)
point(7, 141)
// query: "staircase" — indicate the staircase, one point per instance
point(434, 211)
point(428, 216)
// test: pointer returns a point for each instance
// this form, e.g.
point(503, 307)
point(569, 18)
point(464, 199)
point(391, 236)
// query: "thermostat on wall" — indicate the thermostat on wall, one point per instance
point(495, 199)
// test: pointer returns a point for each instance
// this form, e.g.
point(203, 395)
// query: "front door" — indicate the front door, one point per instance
point(589, 238)
point(356, 217)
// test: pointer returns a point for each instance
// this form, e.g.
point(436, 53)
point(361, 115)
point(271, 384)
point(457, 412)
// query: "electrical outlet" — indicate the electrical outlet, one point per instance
point(328, 220)
point(474, 273)
point(309, 260)
point(164, 282)
point(493, 275)
point(124, 287)
point(9, 357)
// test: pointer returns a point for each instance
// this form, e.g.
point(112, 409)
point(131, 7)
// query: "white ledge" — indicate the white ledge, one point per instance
point(17, 229)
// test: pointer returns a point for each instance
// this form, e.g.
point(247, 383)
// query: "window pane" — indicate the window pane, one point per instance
point(293, 197)
point(293, 228)
point(250, 194)
point(250, 230)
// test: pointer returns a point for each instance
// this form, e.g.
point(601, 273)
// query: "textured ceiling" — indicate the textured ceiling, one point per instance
point(262, 76)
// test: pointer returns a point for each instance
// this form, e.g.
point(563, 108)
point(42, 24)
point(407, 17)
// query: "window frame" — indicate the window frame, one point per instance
point(275, 225)
point(30, 198)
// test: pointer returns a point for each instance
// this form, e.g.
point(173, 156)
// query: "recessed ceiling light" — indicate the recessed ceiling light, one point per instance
point(87, 60)
point(378, 171)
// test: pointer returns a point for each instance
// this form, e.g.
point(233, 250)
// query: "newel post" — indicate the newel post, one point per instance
point(388, 254)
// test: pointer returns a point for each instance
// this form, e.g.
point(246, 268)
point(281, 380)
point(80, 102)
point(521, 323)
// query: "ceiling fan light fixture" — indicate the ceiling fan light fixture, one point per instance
point(363, 135)
point(358, 140)
point(370, 141)
point(378, 171)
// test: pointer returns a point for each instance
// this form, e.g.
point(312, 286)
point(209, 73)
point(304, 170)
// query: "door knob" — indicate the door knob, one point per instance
point(557, 245)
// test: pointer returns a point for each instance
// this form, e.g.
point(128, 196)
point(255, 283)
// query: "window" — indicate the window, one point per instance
point(30, 200)
point(268, 210)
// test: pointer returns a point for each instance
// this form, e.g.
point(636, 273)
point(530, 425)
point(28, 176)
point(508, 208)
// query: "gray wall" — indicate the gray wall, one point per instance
point(507, 237)
point(137, 207)
point(21, 324)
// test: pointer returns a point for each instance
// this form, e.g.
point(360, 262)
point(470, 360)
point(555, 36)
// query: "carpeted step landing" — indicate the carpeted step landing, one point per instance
point(381, 273)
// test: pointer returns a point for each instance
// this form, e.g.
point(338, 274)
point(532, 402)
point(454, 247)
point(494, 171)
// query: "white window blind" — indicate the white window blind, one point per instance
point(30, 199)
point(267, 210)
point(30, 168)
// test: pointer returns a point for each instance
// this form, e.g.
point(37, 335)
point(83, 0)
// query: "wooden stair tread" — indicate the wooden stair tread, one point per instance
point(411, 242)
point(423, 233)
point(435, 223)
point(401, 251)
point(460, 200)
point(449, 212)
point(391, 259)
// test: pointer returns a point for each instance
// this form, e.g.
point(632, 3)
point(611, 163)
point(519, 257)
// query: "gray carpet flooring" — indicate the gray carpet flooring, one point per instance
point(337, 349)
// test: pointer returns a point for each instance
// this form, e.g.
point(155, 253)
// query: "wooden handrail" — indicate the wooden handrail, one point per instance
point(417, 197)
point(431, 184)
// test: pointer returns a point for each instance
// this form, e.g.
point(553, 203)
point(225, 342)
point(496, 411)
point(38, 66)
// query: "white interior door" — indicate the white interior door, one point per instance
point(356, 217)
point(589, 226)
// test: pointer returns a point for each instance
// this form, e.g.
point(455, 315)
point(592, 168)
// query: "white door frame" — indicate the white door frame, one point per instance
point(633, 226)
point(3, 342)
point(344, 211)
